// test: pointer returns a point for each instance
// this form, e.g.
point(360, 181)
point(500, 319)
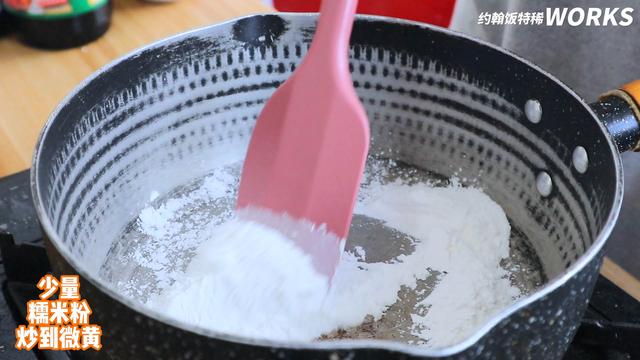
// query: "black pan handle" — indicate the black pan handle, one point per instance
point(619, 112)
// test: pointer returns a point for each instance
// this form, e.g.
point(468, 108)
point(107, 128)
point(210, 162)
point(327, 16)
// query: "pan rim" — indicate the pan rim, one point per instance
point(346, 344)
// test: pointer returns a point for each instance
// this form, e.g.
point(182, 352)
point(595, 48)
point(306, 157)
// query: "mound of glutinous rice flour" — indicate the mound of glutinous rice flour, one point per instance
point(250, 280)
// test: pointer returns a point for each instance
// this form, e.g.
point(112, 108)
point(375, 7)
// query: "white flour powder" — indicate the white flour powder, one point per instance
point(463, 234)
point(250, 280)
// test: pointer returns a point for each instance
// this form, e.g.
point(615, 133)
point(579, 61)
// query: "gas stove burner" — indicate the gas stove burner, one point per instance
point(610, 328)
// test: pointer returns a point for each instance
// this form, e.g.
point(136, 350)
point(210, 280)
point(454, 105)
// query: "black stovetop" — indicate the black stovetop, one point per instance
point(610, 328)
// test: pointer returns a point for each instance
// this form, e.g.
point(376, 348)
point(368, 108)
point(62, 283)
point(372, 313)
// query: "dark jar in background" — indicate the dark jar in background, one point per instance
point(4, 20)
point(59, 24)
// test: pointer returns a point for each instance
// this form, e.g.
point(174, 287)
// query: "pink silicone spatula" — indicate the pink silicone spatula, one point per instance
point(310, 143)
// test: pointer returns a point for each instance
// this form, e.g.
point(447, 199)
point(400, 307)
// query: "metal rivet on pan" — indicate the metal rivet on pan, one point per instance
point(580, 159)
point(544, 183)
point(533, 110)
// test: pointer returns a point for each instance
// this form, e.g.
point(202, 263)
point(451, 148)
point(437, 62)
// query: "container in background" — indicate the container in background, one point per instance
point(59, 24)
point(436, 12)
point(4, 20)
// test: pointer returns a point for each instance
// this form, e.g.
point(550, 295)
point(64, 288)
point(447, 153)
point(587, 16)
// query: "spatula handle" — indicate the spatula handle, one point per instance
point(333, 32)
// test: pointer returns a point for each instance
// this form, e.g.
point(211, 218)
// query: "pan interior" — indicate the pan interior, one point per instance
point(134, 266)
point(163, 120)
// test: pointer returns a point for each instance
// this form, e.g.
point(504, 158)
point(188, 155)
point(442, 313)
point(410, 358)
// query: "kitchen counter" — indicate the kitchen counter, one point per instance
point(34, 81)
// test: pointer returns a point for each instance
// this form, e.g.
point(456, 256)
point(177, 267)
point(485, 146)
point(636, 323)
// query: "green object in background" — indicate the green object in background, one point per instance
point(59, 24)
point(36, 9)
point(82, 6)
